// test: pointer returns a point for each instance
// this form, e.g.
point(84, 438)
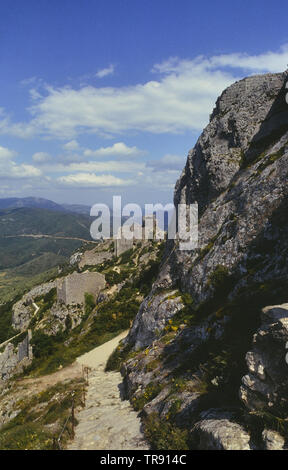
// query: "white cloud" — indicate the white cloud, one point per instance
point(91, 166)
point(105, 72)
point(41, 157)
point(6, 154)
point(11, 170)
point(91, 179)
point(179, 99)
point(24, 171)
point(167, 162)
point(71, 145)
point(118, 149)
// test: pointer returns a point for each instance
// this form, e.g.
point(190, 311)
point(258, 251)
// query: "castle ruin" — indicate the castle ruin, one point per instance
point(72, 288)
point(93, 257)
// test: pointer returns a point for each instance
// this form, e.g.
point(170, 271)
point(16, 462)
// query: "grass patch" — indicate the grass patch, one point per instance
point(150, 392)
point(164, 435)
point(31, 428)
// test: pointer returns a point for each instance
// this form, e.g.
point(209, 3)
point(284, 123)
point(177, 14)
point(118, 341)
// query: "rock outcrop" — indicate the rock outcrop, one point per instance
point(15, 357)
point(23, 310)
point(216, 431)
point(265, 387)
point(237, 173)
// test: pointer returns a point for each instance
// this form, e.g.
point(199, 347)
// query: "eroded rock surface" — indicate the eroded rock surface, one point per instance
point(23, 310)
point(266, 384)
point(237, 173)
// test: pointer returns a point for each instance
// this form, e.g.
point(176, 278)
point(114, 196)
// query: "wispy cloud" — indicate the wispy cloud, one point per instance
point(41, 157)
point(91, 179)
point(10, 170)
point(179, 99)
point(96, 166)
point(105, 72)
point(119, 149)
point(167, 162)
point(72, 145)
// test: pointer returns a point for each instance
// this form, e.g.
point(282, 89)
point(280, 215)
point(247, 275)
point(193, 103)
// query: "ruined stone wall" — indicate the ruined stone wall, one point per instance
point(91, 258)
point(123, 245)
point(14, 358)
point(71, 289)
point(24, 348)
point(152, 231)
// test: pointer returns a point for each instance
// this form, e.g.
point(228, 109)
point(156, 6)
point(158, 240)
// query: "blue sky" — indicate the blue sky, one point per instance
point(103, 97)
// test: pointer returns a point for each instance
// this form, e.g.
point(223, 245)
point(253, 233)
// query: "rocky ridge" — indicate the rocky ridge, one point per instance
point(203, 314)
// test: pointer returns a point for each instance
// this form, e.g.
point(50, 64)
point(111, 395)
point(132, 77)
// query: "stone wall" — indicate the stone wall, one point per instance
point(92, 258)
point(14, 358)
point(71, 289)
point(152, 231)
point(123, 245)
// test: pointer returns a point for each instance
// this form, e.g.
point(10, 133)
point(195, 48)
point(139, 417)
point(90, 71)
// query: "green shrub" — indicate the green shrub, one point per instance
point(150, 392)
point(28, 430)
point(28, 436)
point(127, 256)
point(89, 303)
point(6, 329)
point(164, 435)
point(218, 277)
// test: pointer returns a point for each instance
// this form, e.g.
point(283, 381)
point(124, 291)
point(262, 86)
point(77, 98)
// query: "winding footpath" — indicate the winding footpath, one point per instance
point(107, 422)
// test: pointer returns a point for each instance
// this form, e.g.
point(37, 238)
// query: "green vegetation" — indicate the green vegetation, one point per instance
point(27, 261)
point(127, 257)
point(150, 392)
point(113, 277)
point(273, 157)
point(120, 355)
point(257, 421)
point(31, 429)
point(112, 317)
point(141, 284)
point(260, 148)
point(152, 365)
point(42, 221)
point(12, 285)
point(6, 329)
point(99, 324)
point(165, 434)
point(187, 315)
point(219, 277)
point(90, 304)
point(207, 248)
point(44, 302)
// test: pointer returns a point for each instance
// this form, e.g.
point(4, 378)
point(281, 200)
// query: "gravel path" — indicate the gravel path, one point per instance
point(107, 422)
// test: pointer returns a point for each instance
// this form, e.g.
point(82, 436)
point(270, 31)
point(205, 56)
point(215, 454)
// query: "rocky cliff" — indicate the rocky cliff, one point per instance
point(197, 323)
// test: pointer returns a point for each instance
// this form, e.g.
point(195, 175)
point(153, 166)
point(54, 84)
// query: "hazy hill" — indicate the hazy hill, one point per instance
point(16, 202)
point(42, 221)
point(41, 203)
point(24, 254)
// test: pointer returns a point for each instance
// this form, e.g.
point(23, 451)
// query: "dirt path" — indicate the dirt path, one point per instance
point(39, 384)
point(107, 422)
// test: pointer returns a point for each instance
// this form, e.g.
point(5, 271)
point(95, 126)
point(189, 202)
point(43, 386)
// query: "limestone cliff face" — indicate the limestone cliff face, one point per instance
point(237, 172)
point(265, 386)
point(201, 324)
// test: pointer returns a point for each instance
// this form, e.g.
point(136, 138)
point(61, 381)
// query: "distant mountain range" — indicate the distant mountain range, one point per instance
point(41, 203)
point(36, 236)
